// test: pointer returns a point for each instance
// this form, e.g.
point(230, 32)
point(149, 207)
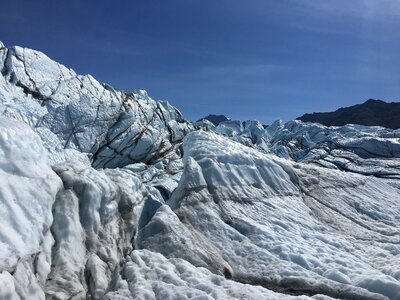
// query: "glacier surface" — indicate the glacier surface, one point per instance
point(113, 195)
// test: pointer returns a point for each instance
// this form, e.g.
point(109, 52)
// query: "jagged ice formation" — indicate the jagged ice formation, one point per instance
point(112, 195)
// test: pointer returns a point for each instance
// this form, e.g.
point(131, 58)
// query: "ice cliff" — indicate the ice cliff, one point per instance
point(112, 195)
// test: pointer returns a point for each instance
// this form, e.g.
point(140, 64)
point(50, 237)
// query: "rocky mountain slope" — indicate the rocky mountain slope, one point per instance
point(370, 113)
point(112, 195)
point(214, 119)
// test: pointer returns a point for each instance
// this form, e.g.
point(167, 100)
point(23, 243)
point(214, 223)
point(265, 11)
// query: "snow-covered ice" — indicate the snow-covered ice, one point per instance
point(27, 192)
point(288, 225)
point(112, 195)
point(114, 127)
point(149, 275)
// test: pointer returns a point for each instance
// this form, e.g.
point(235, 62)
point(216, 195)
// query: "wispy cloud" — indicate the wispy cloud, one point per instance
point(375, 9)
point(368, 20)
point(244, 70)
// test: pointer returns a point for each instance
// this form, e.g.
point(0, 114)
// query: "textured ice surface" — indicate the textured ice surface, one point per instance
point(27, 192)
point(301, 138)
point(149, 275)
point(110, 195)
point(249, 133)
point(77, 112)
point(290, 226)
point(353, 148)
point(94, 222)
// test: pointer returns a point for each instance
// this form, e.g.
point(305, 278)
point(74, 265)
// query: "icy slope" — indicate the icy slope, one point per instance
point(353, 148)
point(149, 275)
point(98, 202)
point(249, 133)
point(27, 192)
point(84, 228)
point(71, 111)
point(289, 227)
point(65, 236)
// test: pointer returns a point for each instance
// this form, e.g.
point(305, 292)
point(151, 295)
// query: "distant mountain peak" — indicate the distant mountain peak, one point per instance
point(373, 112)
point(373, 101)
point(215, 119)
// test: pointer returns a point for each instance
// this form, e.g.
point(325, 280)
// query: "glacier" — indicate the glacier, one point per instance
point(107, 194)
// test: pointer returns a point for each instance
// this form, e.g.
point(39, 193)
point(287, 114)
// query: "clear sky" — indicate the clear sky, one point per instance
point(247, 59)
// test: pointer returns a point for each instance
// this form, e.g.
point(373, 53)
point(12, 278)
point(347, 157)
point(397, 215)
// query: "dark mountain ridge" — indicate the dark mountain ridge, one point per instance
point(215, 119)
point(370, 113)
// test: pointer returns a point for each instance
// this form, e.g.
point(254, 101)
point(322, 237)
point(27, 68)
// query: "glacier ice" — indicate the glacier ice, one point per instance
point(112, 195)
point(114, 127)
point(27, 192)
point(149, 275)
point(352, 148)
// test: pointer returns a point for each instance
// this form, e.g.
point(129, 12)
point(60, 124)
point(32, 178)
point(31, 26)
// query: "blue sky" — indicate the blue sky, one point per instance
point(247, 59)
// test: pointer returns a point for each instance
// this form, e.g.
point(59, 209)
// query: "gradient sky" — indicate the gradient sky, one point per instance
point(247, 59)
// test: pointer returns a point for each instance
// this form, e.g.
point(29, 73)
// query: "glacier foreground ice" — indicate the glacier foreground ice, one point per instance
point(27, 192)
point(112, 195)
point(149, 275)
point(288, 226)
